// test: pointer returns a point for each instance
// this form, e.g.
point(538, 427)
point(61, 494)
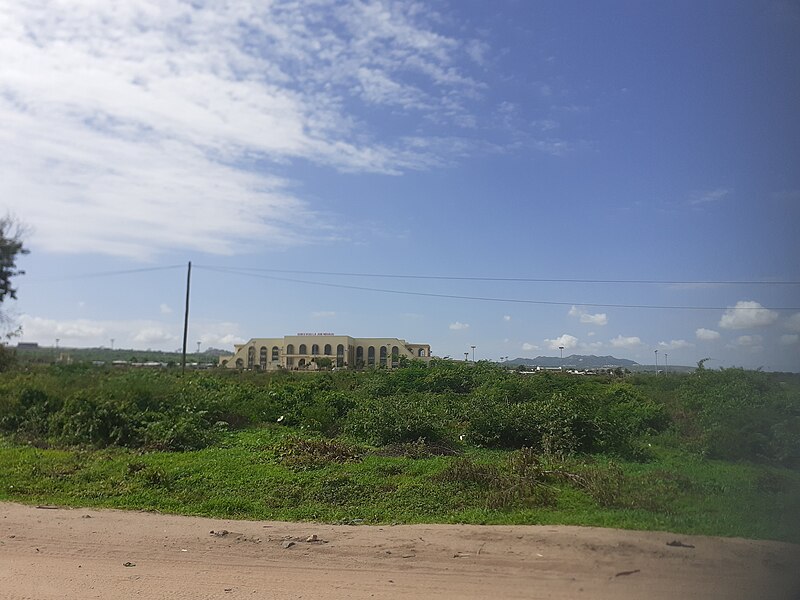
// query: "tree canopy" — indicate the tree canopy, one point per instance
point(11, 247)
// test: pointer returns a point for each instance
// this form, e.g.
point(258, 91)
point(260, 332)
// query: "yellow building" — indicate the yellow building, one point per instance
point(302, 351)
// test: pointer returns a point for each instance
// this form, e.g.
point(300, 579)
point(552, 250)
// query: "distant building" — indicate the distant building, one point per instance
point(27, 345)
point(302, 351)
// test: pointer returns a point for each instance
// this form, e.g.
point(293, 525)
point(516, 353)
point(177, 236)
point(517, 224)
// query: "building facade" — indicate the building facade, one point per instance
point(303, 351)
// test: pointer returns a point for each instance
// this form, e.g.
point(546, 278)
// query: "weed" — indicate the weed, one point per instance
point(302, 454)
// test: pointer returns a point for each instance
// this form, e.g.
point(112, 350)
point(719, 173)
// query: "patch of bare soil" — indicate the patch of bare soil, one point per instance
point(57, 553)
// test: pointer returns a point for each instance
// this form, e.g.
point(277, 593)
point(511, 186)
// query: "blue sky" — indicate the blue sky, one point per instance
point(536, 140)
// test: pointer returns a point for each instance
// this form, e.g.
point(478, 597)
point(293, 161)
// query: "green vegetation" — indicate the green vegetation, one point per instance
point(714, 452)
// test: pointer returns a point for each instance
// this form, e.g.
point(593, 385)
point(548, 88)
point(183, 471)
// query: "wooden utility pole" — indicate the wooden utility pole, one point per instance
point(186, 317)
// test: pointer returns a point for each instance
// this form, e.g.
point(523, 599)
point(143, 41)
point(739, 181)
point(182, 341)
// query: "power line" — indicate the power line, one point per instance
point(507, 279)
point(234, 271)
point(106, 274)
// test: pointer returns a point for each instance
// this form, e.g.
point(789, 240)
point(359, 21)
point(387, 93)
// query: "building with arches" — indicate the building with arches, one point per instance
point(302, 352)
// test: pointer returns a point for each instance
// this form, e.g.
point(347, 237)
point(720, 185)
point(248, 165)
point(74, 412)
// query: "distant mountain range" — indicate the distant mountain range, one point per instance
point(574, 361)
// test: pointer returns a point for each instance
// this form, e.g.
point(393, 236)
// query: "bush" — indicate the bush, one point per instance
point(398, 419)
point(740, 415)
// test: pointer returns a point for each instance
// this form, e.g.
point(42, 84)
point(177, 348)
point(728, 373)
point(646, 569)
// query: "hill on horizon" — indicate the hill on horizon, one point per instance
point(583, 361)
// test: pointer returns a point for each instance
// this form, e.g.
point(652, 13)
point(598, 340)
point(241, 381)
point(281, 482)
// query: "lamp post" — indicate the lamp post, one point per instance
point(666, 364)
point(112, 343)
point(473, 353)
point(466, 356)
point(656, 353)
point(561, 365)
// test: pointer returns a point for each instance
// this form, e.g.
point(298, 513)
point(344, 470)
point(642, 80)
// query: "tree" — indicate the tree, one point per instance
point(11, 247)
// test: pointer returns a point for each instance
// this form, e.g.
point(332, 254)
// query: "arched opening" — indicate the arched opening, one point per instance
point(262, 357)
point(315, 349)
point(224, 363)
point(276, 354)
point(359, 357)
point(371, 356)
point(303, 349)
point(251, 357)
point(383, 356)
point(421, 352)
point(395, 357)
point(301, 363)
point(239, 363)
point(340, 355)
point(327, 350)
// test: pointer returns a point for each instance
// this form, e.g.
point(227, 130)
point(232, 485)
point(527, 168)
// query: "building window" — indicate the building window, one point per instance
point(315, 349)
point(383, 356)
point(290, 349)
point(371, 356)
point(303, 349)
point(327, 350)
point(251, 357)
point(395, 356)
point(340, 355)
point(359, 357)
point(275, 354)
point(262, 357)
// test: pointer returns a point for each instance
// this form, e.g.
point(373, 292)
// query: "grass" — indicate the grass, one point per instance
point(280, 473)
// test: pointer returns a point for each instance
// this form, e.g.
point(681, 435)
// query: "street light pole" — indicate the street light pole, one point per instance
point(656, 353)
point(561, 365)
point(473, 353)
point(666, 364)
point(466, 356)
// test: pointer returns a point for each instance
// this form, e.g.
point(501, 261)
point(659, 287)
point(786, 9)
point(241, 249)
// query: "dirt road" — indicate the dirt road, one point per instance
point(82, 553)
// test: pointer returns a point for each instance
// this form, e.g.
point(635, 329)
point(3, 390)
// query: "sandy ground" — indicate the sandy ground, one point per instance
point(48, 553)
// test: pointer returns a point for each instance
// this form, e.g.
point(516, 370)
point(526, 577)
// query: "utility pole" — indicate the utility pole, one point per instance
point(186, 317)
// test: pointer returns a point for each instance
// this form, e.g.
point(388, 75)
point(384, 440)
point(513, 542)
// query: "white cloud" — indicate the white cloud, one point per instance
point(749, 342)
point(706, 335)
point(566, 340)
point(675, 345)
point(321, 314)
point(528, 347)
point(747, 314)
point(626, 342)
point(788, 339)
point(74, 330)
point(585, 317)
point(154, 335)
point(506, 318)
point(148, 126)
point(708, 196)
point(165, 309)
point(126, 333)
point(458, 326)
point(793, 322)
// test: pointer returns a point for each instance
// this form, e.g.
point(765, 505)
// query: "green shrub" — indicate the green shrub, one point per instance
point(397, 419)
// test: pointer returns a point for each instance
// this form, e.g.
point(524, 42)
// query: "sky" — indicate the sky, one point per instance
point(617, 178)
